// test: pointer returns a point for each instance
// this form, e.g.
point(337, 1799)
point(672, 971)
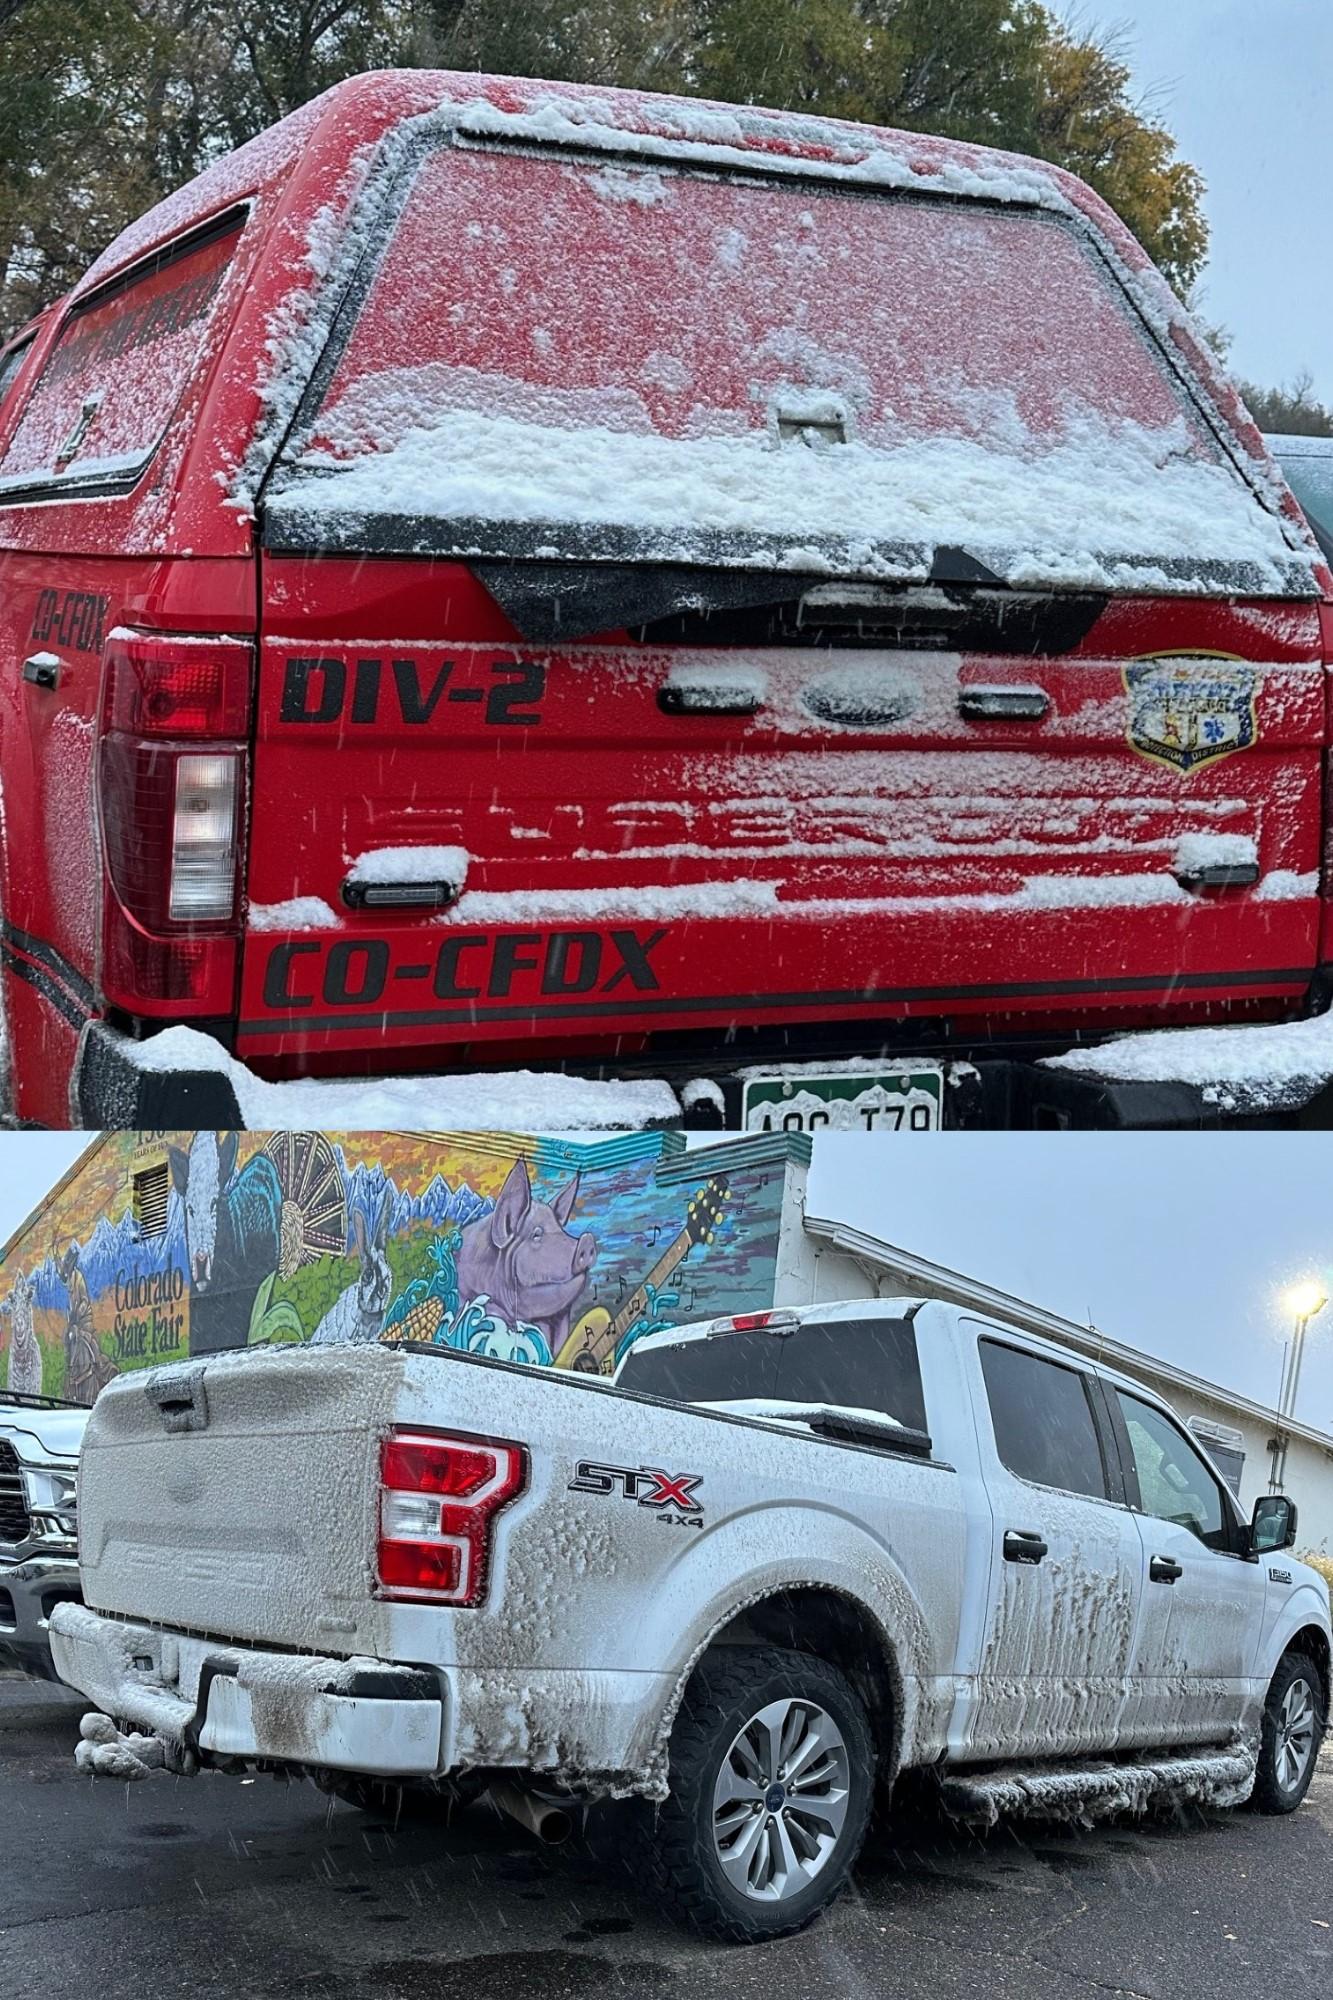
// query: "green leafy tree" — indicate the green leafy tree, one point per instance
point(1294, 408)
point(995, 72)
point(107, 106)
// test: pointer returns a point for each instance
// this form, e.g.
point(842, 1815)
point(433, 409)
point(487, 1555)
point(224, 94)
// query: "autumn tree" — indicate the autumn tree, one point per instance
point(106, 106)
point(996, 72)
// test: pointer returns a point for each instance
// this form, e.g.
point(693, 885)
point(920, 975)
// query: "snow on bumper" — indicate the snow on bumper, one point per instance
point(198, 1696)
point(182, 1079)
point(1245, 1071)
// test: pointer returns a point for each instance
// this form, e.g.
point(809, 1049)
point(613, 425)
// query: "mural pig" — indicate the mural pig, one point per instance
point(25, 1356)
point(523, 1259)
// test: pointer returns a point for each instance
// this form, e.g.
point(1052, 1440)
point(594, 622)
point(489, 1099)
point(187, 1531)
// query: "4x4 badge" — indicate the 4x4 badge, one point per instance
point(1189, 710)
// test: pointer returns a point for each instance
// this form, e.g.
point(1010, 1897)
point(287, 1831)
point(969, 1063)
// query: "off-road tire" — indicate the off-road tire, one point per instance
point(1270, 1794)
point(729, 1687)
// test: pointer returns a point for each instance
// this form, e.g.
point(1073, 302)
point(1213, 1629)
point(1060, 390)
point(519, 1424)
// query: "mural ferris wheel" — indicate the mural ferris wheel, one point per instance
point(314, 1199)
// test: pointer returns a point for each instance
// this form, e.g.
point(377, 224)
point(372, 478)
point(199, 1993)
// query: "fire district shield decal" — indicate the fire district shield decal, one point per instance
point(1189, 712)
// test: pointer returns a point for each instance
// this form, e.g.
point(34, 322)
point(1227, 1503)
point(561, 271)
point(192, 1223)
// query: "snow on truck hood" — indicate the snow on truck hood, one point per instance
point(631, 357)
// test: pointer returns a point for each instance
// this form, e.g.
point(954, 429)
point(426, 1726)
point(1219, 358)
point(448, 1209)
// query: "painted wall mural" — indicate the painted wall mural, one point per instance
point(525, 1249)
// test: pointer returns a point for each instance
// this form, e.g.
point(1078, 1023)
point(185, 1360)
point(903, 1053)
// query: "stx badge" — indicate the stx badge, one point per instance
point(1188, 711)
point(670, 1494)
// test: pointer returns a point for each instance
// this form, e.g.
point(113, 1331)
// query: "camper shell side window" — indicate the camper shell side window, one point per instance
point(105, 396)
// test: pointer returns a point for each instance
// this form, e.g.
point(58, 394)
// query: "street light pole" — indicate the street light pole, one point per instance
point(1307, 1300)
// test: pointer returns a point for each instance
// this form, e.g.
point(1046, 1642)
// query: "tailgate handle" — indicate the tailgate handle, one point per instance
point(180, 1397)
point(1003, 704)
point(721, 698)
point(1219, 875)
point(400, 895)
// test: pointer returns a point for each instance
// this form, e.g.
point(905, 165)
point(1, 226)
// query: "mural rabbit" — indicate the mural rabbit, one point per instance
point(357, 1314)
point(25, 1356)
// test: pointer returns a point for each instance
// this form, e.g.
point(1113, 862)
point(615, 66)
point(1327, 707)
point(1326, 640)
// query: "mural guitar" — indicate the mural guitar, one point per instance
point(601, 1337)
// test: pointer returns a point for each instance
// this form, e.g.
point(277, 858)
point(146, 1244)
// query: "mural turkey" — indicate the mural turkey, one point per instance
point(536, 1250)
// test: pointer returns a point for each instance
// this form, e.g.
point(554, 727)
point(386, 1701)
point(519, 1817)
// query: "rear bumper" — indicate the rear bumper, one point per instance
point(207, 1701)
point(988, 1092)
point(29, 1594)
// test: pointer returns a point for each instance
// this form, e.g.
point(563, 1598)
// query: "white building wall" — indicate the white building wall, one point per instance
point(814, 1272)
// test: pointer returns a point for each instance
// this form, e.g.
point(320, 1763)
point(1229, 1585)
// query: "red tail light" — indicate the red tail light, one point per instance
point(172, 781)
point(439, 1497)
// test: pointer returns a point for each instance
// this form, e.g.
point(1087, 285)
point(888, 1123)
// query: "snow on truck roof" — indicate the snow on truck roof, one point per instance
point(362, 110)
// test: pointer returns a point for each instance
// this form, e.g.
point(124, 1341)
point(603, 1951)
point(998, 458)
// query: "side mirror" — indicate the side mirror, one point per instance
point(1274, 1524)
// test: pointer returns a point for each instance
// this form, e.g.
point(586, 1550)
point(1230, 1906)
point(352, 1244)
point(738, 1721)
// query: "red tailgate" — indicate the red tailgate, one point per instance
point(1144, 835)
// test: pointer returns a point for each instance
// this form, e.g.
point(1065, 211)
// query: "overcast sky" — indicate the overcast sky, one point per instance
point(1245, 87)
point(1177, 1243)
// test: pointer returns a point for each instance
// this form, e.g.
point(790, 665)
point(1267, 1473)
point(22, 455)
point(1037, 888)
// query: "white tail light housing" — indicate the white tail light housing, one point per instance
point(203, 838)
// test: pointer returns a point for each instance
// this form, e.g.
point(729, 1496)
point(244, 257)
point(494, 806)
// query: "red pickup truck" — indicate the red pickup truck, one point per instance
point(497, 572)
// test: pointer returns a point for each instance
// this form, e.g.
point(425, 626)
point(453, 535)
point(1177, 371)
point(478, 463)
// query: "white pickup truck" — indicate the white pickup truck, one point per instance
point(780, 1560)
point(39, 1456)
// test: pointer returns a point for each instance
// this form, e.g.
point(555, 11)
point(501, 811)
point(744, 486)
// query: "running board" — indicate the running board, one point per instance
point(1097, 1790)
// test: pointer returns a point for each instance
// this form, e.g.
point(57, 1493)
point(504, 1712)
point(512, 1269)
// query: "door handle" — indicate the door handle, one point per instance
point(1003, 704)
point(720, 698)
point(1021, 1548)
point(42, 670)
point(1219, 875)
point(1162, 1569)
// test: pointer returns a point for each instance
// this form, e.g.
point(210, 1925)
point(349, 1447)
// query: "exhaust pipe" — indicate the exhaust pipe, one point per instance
point(550, 1822)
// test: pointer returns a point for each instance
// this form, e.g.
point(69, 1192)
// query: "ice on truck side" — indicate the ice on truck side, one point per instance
point(817, 706)
point(776, 1564)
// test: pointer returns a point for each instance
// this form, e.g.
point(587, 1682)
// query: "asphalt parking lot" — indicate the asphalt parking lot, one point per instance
point(218, 1887)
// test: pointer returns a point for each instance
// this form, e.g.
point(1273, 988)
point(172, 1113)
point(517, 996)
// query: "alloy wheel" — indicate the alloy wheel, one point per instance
point(1297, 1729)
point(781, 1799)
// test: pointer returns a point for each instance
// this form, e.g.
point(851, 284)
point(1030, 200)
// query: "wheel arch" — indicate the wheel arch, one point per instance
point(831, 1624)
point(1312, 1641)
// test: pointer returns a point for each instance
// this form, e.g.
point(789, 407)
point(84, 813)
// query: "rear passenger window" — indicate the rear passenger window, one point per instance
point(98, 410)
point(860, 1364)
point(1044, 1429)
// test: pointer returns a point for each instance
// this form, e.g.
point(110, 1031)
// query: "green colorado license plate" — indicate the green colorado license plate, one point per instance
point(895, 1101)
